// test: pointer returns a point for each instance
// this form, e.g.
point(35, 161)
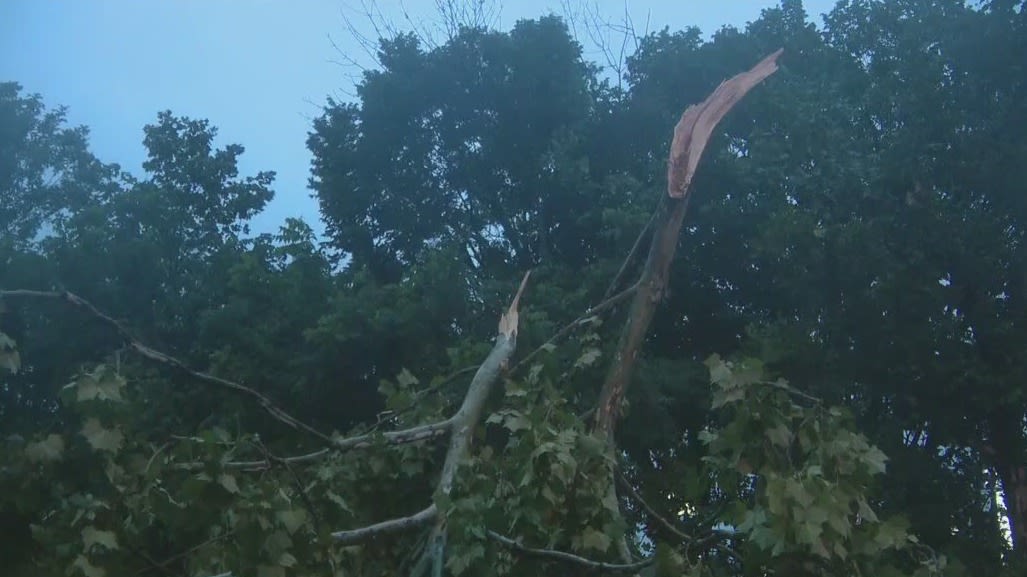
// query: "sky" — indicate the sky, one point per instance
point(258, 70)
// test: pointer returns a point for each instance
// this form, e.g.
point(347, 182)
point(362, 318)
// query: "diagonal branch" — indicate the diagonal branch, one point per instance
point(154, 355)
point(411, 435)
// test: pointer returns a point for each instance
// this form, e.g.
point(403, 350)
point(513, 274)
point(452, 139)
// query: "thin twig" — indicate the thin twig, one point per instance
point(632, 254)
point(570, 557)
point(584, 319)
point(650, 511)
point(189, 551)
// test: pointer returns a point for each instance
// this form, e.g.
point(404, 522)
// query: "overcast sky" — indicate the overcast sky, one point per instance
point(257, 69)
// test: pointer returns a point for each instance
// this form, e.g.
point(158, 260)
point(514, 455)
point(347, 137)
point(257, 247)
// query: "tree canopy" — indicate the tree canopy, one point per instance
point(761, 309)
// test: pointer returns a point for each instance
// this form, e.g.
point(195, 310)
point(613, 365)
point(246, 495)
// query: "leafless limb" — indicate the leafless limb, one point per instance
point(452, 15)
point(636, 249)
point(691, 135)
point(612, 40)
point(418, 519)
point(650, 512)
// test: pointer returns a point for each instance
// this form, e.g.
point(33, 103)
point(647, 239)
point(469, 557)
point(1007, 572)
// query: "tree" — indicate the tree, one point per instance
point(822, 217)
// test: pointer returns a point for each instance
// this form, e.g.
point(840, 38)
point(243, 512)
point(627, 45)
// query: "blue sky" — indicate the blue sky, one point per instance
point(259, 70)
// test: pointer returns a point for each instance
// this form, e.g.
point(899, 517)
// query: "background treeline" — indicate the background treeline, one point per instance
point(857, 224)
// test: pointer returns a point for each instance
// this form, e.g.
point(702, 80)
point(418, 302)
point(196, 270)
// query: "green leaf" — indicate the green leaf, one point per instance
point(292, 519)
point(808, 533)
point(610, 502)
point(102, 439)
point(876, 460)
point(87, 568)
point(48, 450)
point(286, 560)
point(865, 511)
point(587, 358)
point(10, 360)
point(101, 385)
point(406, 378)
point(228, 482)
point(595, 540)
point(892, 533)
point(270, 571)
point(720, 372)
point(458, 564)
point(780, 435)
point(510, 419)
point(91, 536)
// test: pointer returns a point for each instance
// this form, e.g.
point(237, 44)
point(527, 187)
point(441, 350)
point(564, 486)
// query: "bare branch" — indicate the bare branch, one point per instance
point(696, 126)
point(570, 557)
point(674, 530)
point(419, 519)
point(481, 386)
point(411, 435)
point(690, 137)
point(632, 254)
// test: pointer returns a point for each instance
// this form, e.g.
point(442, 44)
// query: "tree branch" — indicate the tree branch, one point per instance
point(421, 518)
point(462, 425)
point(157, 356)
point(590, 314)
point(685, 537)
point(691, 135)
point(570, 557)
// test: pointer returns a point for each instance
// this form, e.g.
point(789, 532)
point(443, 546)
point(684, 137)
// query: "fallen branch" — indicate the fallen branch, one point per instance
point(570, 557)
point(461, 426)
point(421, 518)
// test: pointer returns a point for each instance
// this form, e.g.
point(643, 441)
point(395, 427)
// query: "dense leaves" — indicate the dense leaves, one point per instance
point(856, 227)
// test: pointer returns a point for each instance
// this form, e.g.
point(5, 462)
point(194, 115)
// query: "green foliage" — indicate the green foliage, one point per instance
point(857, 225)
point(9, 357)
point(809, 475)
